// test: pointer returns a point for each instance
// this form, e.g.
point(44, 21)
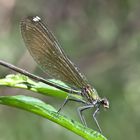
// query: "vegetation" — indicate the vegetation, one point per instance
point(102, 38)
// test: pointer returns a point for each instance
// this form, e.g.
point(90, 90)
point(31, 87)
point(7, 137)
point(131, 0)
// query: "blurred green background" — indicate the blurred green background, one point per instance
point(102, 37)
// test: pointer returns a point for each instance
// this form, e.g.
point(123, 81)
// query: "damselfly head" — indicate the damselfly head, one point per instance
point(105, 103)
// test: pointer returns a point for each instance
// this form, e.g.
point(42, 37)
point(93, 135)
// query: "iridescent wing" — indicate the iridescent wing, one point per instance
point(47, 52)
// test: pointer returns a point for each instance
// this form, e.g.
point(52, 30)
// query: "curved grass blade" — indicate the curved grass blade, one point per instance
point(40, 108)
point(24, 82)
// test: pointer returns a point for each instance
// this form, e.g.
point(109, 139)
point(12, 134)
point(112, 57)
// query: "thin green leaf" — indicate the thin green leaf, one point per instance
point(21, 81)
point(38, 107)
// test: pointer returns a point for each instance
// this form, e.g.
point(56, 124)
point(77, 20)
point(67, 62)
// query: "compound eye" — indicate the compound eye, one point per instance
point(105, 103)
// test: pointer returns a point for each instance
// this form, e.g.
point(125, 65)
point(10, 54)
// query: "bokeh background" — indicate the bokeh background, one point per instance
point(102, 37)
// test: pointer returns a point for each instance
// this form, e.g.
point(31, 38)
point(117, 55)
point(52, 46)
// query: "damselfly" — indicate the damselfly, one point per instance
point(46, 51)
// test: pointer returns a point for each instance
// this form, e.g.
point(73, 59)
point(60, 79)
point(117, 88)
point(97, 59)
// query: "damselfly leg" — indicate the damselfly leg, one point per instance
point(80, 112)
point(82, 118)
point(94, 117)
point(69, 99)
